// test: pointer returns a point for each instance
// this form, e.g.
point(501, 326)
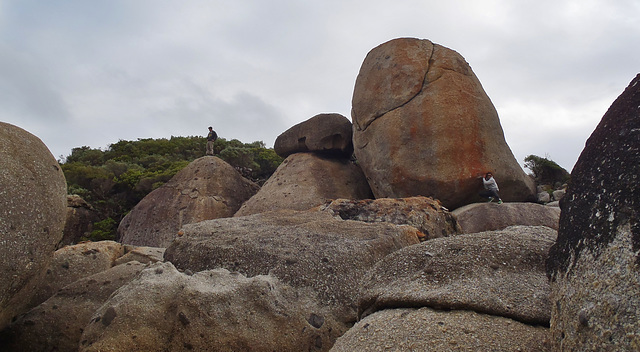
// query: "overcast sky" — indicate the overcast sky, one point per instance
point(78, 73)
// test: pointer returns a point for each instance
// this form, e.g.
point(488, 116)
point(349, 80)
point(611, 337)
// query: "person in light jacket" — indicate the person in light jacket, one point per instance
point(490, 188)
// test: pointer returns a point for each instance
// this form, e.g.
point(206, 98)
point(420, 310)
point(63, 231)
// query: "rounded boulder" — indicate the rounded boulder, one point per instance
point(33, 207)
point(423, 125)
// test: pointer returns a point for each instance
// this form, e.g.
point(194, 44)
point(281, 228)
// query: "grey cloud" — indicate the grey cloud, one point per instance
point(155, 68)
point(26, 89)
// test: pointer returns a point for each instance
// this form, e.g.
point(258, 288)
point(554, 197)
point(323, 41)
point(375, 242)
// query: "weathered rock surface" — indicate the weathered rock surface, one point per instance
point(480, 217)
point(213, 310)
point(58, 323)
point(423, 125)
point(499, 273)
point(559, 194)
point(79, 222)
point(425, 214)
point(306, 180)
point(141, 254)
point(208, 188)
point(311, 251)
point(325, 133)
point(595, 266)
point(72, 263)
point(426, 329)
point(544, 197)
point(33, 207)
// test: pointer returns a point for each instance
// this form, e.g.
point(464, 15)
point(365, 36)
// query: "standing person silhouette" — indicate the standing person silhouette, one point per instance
point(490, 188)
point(211, 137)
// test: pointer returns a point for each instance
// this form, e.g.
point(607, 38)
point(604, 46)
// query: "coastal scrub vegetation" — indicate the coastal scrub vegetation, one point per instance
point(114, 180)
point(546, 171)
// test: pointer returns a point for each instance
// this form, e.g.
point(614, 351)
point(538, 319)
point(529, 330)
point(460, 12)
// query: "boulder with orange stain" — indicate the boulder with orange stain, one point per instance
point(423, 125)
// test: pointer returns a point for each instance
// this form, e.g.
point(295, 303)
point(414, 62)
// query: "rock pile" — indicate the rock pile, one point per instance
point(317, 168)
point(312, 251)
point(311, 262)
point(491, 285)
point(79, 280)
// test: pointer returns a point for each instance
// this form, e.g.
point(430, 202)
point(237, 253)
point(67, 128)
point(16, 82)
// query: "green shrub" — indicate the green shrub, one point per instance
point(103, 230)
point(113, 181)
point(545, 171)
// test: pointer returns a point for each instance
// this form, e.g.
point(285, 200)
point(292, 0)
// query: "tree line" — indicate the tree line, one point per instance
point(114, 180)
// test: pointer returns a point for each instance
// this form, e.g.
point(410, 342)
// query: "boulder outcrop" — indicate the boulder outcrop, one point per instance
point(594, 266)
point(499, 273)
point(208, 188)
point(33, 207)
point(72, 263)
point(480, 217)
point(141, 254)
point(57, 324)
point(423, 125)
point(323, 133)
point(425, 214)
point(306, 180)
point(165, 310)
point(312, 251)
point(427, 329)
point(79, 222)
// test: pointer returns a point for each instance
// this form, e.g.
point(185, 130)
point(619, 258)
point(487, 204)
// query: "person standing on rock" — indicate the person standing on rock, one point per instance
point(490, 188)
point(211, 138)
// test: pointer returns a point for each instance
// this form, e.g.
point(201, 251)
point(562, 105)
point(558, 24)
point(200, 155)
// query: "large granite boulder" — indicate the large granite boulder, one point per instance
point(57, 324)
point(72, 263)
point(595, 265)
point(313, 251)
point(306, 180)
point(213, 310)
point(33, 206)
point(497, 272)
point(423, 125)
point(79, 222)
point(480, 217)
point(425, 214)
point(426, 329)
point(208, 188)
point(323, 133)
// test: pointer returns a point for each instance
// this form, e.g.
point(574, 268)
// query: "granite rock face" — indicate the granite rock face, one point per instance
point(57, 324)
point(33, 207)
point(306, 180)
point(426, 329)
point(496, 272)
point(595, 266)
point(320, 255)
point(80, 219)
point(480, 217)
point(323, 133)
point(208, 188)
point(423, 125)
point(72, 263)
point(425, 214)
point(213, 310)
